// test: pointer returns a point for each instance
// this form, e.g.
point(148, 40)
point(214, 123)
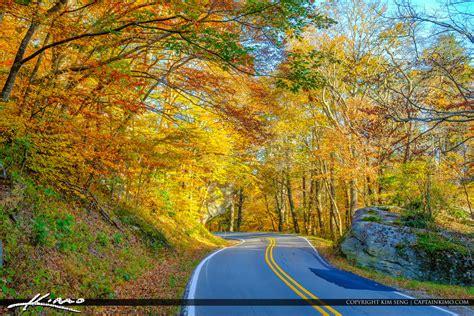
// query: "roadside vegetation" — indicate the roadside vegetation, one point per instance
point(378, 127)
point(57, 246)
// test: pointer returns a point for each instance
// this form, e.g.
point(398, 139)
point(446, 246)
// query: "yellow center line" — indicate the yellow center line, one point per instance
point(292, 283)
point(289, 284)
point(299, 285)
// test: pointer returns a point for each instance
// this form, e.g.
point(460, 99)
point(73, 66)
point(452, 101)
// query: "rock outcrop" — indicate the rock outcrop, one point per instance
point(379, 240)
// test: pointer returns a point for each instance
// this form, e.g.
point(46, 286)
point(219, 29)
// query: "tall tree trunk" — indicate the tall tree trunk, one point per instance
point(232, 215)
point(239, 208)
point(379, 186)
point(284, 212)
point(7, 88)
point(278, 208)
point(353, 198)
point(348, 206)
point(311, 214)
point(331, 222)
point(332, 197)
point(305, 205)
point(18, 62)
point(292, 204)
point(368, 188)
point(352, 188)
point(319, 207)
point(270, 214)
point(366, 184)
point(466, 193)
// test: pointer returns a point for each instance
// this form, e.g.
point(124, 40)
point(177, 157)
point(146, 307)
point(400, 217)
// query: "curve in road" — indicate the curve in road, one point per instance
point(267, 266)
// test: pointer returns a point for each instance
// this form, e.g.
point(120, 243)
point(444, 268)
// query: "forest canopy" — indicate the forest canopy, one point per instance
point(258, 115)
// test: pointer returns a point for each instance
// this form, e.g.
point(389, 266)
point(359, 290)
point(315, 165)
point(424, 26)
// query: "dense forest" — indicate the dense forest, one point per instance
point(374, 111)
point(231, 115)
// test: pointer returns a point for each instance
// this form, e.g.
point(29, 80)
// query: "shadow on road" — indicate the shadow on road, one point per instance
point(349, 280)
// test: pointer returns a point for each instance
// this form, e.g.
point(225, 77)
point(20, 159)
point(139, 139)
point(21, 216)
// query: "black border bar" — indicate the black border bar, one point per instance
point(261, 302)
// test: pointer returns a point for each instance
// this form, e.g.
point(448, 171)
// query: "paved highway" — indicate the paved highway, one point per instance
point(276, 266)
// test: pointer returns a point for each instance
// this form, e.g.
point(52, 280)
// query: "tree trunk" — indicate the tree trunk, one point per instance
point(18, 62)
point(239, 209)
point(278, 209)
point(319, 207)
point(331, 222)
point(232, 215)
point(379, 187)
point(7, 88)
point(310, 207)
point(466, 193)
point(270, 214)
point(369, 190)
point(348, 206)
point(305, 206)
point(284, 213)
point(353, 199)
point(332, 197)
point(291, 203)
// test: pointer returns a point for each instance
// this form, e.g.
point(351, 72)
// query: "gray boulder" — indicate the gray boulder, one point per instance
point(379, 241)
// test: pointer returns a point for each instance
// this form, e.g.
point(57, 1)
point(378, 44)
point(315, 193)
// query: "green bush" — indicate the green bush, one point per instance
point(5, 282)
point(64, 226)
point(102, 239)
point(123, 274)
point(458, 212)
point(117, 238)
point(372, 218)
point(417, 219)
point(41, 232)
point(48, 231)
point(434, 244)
point(415, 205)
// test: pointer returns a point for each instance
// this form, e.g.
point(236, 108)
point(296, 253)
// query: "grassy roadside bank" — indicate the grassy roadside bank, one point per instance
point(54, 244)
point(168, 280)
point(416, 288)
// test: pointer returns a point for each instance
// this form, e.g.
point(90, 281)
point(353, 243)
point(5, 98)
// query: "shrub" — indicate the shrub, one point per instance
point(372, 218)
point(40, 232)
point(64, 226)
point(458, 212)
point(433, 244)
point(417, 219)
point(117, 238)
point(123, 274)
point(415, 205)
point(102, 239)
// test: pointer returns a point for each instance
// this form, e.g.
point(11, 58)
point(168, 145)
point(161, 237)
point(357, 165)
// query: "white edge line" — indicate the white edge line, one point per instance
point(317, 253)
point(396, 292)
point(190, 310)
point(441, 309)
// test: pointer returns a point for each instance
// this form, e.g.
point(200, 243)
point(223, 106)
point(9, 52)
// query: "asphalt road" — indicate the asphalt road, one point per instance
point(275, 266)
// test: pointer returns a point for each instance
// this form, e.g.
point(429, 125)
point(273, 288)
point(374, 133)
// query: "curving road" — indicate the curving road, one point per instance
point(276, 266)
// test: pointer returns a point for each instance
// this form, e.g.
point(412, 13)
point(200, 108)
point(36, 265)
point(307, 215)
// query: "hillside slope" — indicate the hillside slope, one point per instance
point(59, 245)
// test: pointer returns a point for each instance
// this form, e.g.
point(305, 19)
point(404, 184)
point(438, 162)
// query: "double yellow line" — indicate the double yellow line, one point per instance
point(292, 284)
